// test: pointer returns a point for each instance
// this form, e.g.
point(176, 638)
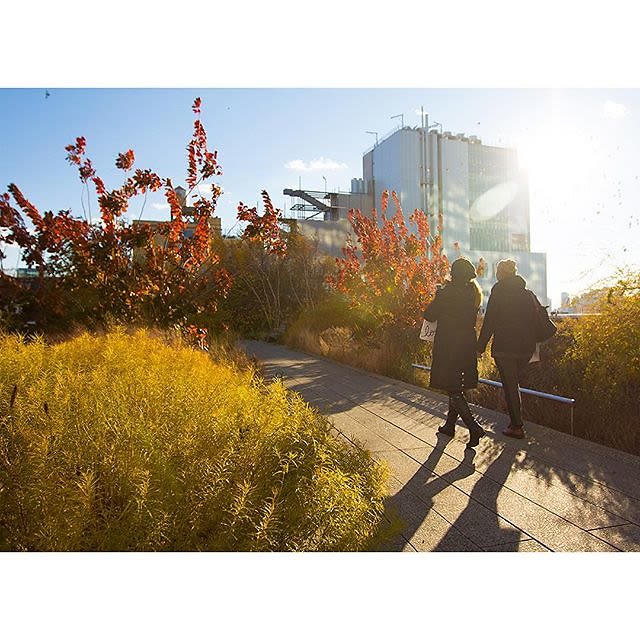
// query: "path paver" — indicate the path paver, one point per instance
point(550, 492)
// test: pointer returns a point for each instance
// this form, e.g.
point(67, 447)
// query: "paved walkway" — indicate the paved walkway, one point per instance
point(549, 492)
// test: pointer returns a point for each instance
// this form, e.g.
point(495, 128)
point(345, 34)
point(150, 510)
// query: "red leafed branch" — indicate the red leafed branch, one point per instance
point(125, 160)
point(25, 205)
point(12, 227)
point(76, 155)
point(264, 228)
point(389, 268)
point(176, 226)
point(116, 269)
point(202, 163)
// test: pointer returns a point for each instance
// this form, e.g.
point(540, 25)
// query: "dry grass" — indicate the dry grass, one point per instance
point(130, 442)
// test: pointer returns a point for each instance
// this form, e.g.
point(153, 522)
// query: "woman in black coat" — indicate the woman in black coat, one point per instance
point(454, 366)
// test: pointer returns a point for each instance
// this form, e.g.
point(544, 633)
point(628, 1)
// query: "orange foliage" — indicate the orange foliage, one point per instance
point(389, 270)
point(265, 228)
point(90, 271)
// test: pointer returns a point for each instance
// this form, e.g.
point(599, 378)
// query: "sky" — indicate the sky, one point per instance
point(578, 146)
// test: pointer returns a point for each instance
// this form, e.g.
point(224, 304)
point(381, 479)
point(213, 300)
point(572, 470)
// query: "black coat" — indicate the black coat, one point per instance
point(509, 319)
point(454, 364)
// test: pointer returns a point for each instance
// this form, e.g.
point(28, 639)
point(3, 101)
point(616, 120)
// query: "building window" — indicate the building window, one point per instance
point(489, 235)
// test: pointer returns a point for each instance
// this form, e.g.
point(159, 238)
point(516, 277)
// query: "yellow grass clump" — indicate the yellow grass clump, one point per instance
point(125, 442)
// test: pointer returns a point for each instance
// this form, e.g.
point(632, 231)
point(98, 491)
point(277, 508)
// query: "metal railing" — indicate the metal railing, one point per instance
point(532, 392)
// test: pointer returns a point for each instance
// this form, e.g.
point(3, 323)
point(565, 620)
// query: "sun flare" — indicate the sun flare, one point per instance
point(557, 162)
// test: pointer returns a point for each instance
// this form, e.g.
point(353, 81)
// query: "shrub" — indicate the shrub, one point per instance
point(128, 442)
point(388, 271)
point(271, 287)
point(603, 362)
point(608, 344)
point(90, 272)
point(335, 310)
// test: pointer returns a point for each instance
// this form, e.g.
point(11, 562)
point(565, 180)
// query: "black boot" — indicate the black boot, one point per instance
point(475, 430)
point(449, 427)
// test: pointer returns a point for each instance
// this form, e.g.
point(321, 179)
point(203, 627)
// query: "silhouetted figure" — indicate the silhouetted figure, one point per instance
point(510, 320)
point(454, 365)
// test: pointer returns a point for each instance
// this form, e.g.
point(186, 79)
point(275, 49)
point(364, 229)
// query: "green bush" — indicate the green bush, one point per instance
point(270, 289)
point(353, 335)
point(603, 363)
point(126, 442)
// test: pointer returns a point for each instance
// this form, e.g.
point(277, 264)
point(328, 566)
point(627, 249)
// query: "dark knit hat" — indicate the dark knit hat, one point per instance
point(462, 269)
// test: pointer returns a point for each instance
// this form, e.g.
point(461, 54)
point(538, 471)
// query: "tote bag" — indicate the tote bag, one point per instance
point(544, 326)
point(428, 330)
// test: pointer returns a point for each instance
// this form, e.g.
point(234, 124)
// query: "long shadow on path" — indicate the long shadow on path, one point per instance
point(416, 498)
point(462, 521)
point(593, 487)
point(480, 519)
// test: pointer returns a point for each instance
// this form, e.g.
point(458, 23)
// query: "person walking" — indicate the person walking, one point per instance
point(510, 320)
point(454, 365)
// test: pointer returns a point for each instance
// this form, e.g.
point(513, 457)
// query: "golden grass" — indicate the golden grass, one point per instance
point(126, 442)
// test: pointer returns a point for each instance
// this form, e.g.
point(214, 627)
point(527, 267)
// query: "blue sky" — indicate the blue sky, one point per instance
point(579, 147)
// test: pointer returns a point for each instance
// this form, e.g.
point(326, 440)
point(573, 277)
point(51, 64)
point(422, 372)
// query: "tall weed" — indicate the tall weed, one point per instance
point(125, 442)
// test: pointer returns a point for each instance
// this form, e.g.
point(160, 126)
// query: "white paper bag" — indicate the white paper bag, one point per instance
point(428, 331)
point(536, 354)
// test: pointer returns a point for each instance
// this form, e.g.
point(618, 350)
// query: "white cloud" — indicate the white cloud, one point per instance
point(614, 109)
point(298, 165)
point(160, 206)
point(321, 164)
point(205, 190)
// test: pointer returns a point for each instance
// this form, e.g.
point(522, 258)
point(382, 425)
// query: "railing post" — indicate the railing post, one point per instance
point(571, 419)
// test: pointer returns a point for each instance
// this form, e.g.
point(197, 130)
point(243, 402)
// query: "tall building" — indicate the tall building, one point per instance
point(479, 189)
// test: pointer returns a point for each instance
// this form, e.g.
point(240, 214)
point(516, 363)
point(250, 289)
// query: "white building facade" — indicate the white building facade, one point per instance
point(480, 191)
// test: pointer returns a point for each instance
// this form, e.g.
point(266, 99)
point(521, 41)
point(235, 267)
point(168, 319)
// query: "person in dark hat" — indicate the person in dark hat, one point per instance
point(454, 365)
point(509, 319)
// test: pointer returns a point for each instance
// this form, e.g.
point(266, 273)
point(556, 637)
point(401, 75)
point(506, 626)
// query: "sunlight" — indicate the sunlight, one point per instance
point(493, 201)
point(556, 160)
point(561, 164)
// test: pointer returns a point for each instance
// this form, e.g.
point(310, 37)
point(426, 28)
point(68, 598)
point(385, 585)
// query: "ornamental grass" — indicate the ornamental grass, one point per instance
point(130, 442)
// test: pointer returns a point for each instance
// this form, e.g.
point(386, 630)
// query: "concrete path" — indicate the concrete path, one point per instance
point(549, 492)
